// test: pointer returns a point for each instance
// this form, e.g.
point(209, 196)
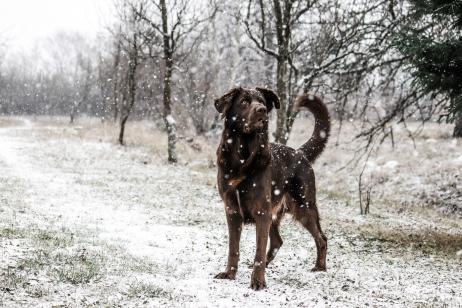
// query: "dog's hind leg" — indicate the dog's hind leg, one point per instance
point(308, 216)
point(310, 220)
point(235, 220)
point(275, 242)
point(306, 212)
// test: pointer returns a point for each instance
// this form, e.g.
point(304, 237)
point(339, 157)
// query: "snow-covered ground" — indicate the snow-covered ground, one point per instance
point(85, 222)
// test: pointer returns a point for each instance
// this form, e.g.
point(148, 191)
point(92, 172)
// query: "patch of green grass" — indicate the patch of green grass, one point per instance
point(37, 291)
point(10, 232)
point(35, 262)
point(142, 289)
point(52, 238)
point(77, 267)
point(42, 237)
point(11, 279)
point(54, 255)
point(145, 266)
point(142, 266)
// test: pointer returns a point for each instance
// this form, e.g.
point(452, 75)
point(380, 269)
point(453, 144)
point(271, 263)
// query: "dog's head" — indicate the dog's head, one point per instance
point(247, 110)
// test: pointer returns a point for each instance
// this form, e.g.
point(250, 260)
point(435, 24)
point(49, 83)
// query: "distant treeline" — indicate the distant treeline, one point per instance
point(170, 59)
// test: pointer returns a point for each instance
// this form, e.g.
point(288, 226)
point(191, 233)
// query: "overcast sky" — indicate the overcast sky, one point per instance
point(23, 22)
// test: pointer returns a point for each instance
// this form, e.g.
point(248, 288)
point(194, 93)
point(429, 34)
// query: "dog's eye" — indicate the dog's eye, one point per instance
point(245, 102)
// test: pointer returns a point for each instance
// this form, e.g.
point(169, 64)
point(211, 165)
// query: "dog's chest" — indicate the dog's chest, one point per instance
point(252, 203)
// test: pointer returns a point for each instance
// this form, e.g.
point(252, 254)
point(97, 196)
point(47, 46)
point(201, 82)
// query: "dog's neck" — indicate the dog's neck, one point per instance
point(241, 154)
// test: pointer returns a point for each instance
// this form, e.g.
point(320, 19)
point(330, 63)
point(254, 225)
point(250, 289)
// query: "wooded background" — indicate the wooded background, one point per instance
point(373, 61)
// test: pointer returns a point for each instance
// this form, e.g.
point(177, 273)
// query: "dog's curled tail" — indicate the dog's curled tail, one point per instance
point(318, 141)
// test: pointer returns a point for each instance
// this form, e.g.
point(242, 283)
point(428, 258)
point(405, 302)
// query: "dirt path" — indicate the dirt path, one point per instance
point(160, 236)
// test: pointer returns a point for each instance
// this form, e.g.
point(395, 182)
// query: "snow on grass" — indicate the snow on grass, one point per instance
point(87, 222)
point(414, 173)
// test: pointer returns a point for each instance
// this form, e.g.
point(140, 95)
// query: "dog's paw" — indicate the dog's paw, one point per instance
point(318, 268)
point(226, 275)
point(257, 284)
point(268, 261)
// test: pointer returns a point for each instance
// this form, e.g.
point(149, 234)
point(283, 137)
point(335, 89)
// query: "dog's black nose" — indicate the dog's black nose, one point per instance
point(261, 109)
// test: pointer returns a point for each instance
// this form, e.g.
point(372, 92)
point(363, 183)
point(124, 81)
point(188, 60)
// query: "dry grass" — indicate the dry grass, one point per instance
point(416, 172)
point(137, 134)
point(420, 166)
point(427, 241)
point(8, 121)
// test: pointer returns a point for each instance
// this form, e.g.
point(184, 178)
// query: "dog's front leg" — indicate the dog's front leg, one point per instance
point(263, 223)
point(234, 220)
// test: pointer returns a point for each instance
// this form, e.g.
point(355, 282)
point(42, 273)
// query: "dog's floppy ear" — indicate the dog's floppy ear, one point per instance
point(223, 103)
point(271, 98)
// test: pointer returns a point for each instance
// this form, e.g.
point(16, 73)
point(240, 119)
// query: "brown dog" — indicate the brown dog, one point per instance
point(259, 182)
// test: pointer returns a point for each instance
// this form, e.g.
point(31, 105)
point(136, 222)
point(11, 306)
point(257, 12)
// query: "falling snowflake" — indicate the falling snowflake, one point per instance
point(170, 120)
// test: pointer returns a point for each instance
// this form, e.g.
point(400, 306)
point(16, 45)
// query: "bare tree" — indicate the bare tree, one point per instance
point(326, 46)
point(283, 21)
point(116, 73)
point(174, 23)
point(168, 50)
point(132, 43)
point(343, 51)
point(2, 78)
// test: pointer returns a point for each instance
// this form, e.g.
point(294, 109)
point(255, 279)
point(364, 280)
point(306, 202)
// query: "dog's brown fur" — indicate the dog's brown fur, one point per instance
point(259, 182)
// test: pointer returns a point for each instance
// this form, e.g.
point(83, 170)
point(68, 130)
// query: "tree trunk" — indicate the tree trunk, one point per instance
point(75, 108)
point(280, 135)
point(290, 119)
point(123, 120)
point(291, 114)
point(170, 123)
point(103, 103)
point(115, 80)
point(283, 37)
point(72, 116)
point(131, 80)
point(458, 126)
